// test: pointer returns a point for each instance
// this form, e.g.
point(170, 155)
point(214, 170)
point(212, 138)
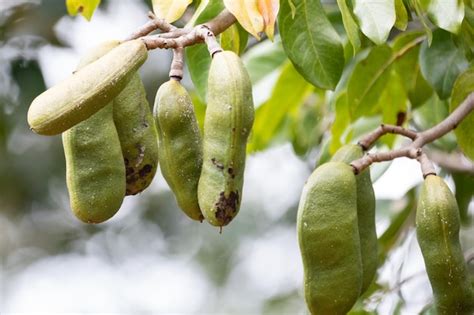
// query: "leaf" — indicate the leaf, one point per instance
point(197, 56)
point(288, 93)
point(464, 192)
point(368, 81)
point(85, 7)
point(350, 25)
point(170, 10)
point(393, 103)
point(311, 42)
point(376, 18)
point(423, 20)
point(341, 122)
point(447, 14)
point(441, 63)
point(407, 66)
point(234, 38)
point(402, 15)
point(464, 86)
point(269, 10)
point(263, 59)
point(248, 15)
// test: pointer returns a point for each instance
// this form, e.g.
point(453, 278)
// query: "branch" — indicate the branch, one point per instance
point(177, 65)
point(414, 149)
point(182, 37)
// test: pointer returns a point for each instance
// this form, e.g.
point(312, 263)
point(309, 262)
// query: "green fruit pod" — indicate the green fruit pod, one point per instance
point(87, 90)
point(180, 145)
point(328, 237)
point(437, 230)
point(227, 124)
point(365, 214)
point(95, 171)
point(137, 133)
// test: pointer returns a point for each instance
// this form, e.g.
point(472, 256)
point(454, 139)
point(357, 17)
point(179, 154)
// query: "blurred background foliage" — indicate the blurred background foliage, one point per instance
point(150, 257)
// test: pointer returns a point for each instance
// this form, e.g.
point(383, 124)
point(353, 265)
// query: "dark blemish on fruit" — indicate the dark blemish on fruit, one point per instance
point(145, 170)
point(230, 170)
point(226, 207)
point(129, 171)
point(217, 164)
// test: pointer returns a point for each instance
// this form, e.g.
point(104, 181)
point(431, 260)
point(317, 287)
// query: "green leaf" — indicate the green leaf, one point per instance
point(311, 42)
point(407, 66)
point(289, 92)
point(350, 25)
point(441, 63)
point(368, 81)
point(197, 56)
point(423, 20)
point(464, 192)
point(341, 122)
point(447, 14)
point(464, 86)
point(393, 103)
point(85, 7)
point(402, 15)
point(234, 38)
point(263, 59)
point(376, 18)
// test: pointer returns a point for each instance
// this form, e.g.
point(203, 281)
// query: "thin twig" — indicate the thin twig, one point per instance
point(183, 37)
point(413, 150)
point(177, 65)
point(426, 165)
point(150, 26)
point(368, 141)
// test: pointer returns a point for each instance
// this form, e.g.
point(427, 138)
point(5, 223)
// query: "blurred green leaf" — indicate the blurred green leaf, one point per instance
point(447, 14)
point(197, 56)
point(376, 18)
point(464, 192)
point(311, 42)
point(263, 59)
point(341, 122)
point(290, 91)
point(350, 25)
point(368, 81)
point(464, 86)
point(441, 63)
point(85, 7)
point(419, 12)
point(234, 38)
point(402, 15)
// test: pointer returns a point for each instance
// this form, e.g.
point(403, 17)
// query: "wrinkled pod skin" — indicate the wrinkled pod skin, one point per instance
point(87, 90)
point(437, 230)
point(95, 171)
point(328, 237)
point(365, 214)
point(137, 133)
point(180, 145)
point(228, 121)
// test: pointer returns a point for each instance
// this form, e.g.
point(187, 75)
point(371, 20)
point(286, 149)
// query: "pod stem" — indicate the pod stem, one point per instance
point(412, 150)
point(177, 65)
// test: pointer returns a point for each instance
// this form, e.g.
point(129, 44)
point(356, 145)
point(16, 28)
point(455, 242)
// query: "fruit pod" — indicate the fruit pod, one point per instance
point(437, 230)
point(227, 124)
point(180, 145)
point(137, 133)
point(86, 91)
point(328, 238)
point(95, 172)
point(365, 214)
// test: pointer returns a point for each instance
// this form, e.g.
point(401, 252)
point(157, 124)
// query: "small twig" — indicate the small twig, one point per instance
point(413, 150)
point(183, 37)
point(151, 26)
point(368, 141)
point(426, 165)
point(177, 65)
point(210, 40)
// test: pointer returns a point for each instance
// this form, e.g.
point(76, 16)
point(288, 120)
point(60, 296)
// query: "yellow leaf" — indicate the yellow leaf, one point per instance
point(84, 7)
point(170, 10)
point(248, 15)
point(269, 10)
